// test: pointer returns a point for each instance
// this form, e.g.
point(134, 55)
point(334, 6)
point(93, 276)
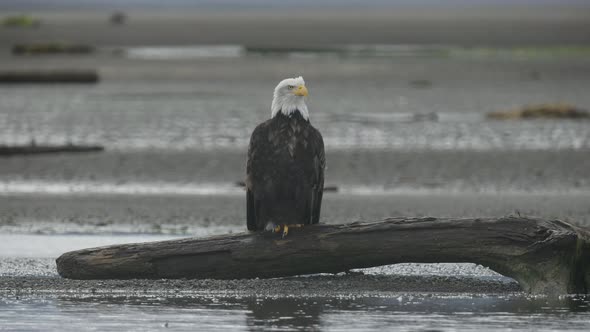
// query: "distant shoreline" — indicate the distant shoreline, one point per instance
point(461, 26)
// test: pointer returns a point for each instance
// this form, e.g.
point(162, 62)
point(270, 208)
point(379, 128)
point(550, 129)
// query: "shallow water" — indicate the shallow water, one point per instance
point(404, 312)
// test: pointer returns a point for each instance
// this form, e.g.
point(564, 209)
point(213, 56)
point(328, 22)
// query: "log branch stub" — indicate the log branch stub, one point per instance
point(543, 256)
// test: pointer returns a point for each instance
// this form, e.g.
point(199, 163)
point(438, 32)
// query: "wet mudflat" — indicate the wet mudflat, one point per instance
point(136, 214)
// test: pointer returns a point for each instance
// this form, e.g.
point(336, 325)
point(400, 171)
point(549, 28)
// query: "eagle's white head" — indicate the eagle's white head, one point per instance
point(290, 96)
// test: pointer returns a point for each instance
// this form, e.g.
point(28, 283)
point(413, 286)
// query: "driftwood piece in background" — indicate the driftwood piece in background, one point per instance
point(33, 149)
point(543, 256)
point(51, 48)
point(49, 76)
point(542, 111)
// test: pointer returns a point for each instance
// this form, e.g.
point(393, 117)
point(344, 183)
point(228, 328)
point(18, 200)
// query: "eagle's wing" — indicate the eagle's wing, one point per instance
point(257, 143)
point(319, 159)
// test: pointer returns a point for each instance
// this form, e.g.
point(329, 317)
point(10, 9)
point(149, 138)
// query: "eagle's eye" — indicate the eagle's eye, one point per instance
point(291, 87)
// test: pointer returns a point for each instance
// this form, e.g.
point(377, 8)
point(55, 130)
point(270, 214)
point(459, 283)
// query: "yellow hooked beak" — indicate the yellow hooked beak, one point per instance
point(300, 91)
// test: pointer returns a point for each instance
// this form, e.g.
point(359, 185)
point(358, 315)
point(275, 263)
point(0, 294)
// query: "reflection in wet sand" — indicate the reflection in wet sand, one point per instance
point(284, 313)
point(406, 311)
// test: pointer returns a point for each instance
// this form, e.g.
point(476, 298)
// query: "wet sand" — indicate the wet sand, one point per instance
point(304, 287)
point(205, 215)
point(524, 171)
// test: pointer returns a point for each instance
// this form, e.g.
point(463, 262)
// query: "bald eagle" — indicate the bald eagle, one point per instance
point(286, 161)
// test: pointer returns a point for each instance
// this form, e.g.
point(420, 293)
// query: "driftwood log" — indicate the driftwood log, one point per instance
point(49, 76)
point(51, 48)
point(543, 256)
point(19, 150)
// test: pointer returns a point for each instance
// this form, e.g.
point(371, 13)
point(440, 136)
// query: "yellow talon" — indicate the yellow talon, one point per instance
point(285, 230)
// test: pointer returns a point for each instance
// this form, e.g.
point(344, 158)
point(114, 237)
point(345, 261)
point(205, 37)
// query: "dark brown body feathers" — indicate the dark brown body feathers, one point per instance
point(285, 172)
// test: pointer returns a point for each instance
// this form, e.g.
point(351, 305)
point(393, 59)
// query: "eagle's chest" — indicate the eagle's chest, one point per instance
point(290, 140)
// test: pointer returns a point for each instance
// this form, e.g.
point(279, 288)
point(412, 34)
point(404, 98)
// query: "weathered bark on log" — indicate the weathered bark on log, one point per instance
point(543, 256)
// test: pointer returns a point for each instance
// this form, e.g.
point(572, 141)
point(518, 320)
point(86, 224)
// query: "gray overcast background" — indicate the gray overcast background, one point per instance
point(61, 4)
